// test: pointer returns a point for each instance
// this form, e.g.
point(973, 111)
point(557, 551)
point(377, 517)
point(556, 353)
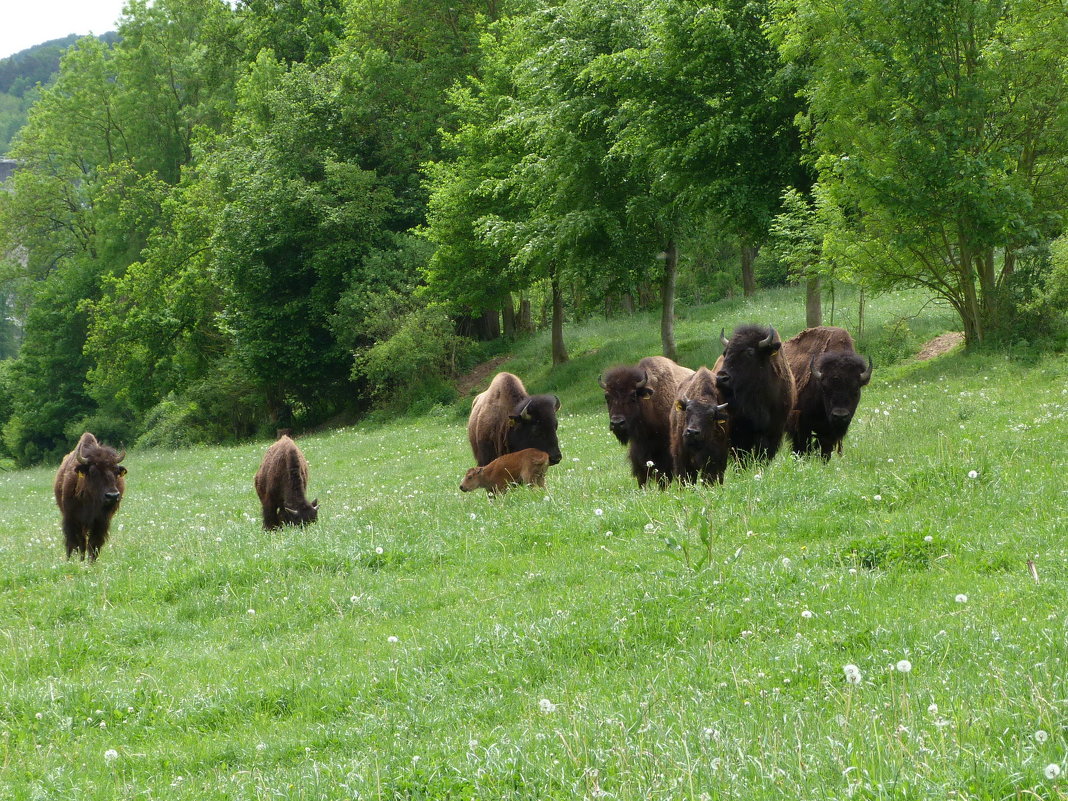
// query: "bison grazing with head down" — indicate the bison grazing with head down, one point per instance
point(88, 488)
point(829, 376)
point(700, 438)
point(639, 413)
point(281, 483)
point(527, 466)
point(505, 419)
point(754, 378)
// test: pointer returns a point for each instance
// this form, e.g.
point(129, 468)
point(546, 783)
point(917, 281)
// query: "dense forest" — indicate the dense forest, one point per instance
point(236, 217)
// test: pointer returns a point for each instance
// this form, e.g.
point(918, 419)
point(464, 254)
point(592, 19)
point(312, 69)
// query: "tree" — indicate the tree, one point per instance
point(943, 143)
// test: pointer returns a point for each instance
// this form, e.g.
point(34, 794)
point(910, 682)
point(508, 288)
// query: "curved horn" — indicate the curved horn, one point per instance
point(723, 338)
point(641, 384)
point(78, 455)
point(812, 368)
point(556, 408)
point(866, 375)
point(722, 407)
point(291, 511)
point(600, 380)
point(767, 341)
point(524, 413)
point(122, 455)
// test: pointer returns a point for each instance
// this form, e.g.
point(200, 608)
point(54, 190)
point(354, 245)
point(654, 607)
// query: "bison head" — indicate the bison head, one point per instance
point(533, 424)
point(704, 423)
point(840, 375)
point(624, 390)
point(101, 473)
point(302, 515)
point(471, 480)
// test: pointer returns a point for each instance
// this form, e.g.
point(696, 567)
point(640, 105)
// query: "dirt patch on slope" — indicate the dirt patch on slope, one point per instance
point(479, 377)
point(940, 344)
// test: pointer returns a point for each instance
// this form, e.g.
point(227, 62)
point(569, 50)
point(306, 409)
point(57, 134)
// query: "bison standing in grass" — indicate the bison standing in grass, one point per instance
point(89, 488)
point(829, 376)
point(527, 466)
point(505, 419)
point(639, 413)
point(700, 438)
point(754, 378)
point(281, 482)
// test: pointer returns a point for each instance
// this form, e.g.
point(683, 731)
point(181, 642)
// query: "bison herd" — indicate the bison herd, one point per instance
point(676, 423)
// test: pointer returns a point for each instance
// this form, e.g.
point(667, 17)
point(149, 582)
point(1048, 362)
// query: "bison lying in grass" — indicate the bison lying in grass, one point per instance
point(527, 466)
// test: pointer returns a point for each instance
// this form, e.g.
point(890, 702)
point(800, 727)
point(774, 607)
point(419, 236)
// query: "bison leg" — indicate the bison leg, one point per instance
point(74, 534)
point(827, 446)
point(270, 517)
point(97, 536)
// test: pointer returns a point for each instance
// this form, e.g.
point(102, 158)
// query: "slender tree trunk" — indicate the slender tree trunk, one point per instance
point(749, 254)
point(526, 316)
point(813, 302)
point(971, 313)
point(990, 300)
point(559, 349)
point(667, 296)
point(645, 295)
point(628, 303)
point(860, 314)
point(508, 316)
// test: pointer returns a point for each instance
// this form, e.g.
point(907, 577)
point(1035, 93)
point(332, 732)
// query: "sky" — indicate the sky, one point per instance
point(30, 22)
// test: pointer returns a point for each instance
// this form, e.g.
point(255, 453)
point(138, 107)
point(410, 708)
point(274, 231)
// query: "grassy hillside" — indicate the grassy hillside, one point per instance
point(590, 641)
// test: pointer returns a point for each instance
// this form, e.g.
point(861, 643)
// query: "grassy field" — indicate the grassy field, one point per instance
point(590, 641)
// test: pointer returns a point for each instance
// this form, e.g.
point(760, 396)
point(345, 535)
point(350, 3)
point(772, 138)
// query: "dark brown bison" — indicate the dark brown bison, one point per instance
point(89, 488)
point(829, 375)
point(754, 378)
point(281, 483)
point(505, 419)
point(639, 413)
point(700, 431)
point(527, 466)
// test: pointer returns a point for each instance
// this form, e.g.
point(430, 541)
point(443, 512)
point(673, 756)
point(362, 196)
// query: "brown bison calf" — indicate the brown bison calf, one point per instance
point(88, 488)
point(527, 466)
point(281, 483)
point(700, 430)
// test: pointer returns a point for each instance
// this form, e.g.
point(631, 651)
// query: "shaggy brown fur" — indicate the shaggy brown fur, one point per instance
point(829, 376)
point(527, 466)
point(754, 378)
point(88, 488)
point(700, 431)
point(505, 419)
point(281, 483)
point(639, 410)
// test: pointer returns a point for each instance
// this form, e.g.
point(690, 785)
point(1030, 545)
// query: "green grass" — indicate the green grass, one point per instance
point(222, 662)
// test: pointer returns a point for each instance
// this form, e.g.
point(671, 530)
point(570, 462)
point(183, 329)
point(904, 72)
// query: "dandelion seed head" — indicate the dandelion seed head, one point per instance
point(1052, 771)
point(546, 706)
point(392, 638)
point(1041, 736)
point(111, 755)
point(973, 474)
point(806, 614)
point(904, 666)
point(933, 709)
point(961, 598)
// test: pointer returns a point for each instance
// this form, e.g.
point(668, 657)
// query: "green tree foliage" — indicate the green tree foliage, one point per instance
point(941, 130)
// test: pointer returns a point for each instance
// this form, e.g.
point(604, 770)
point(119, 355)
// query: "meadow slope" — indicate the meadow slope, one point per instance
point(589, 641)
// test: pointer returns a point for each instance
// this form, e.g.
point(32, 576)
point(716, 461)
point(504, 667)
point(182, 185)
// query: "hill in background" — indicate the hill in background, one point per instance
point(21, 73)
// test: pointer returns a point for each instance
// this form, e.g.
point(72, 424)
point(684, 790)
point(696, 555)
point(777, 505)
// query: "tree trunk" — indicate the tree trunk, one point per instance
point(559, 349)
point(749, 254)
point(508, 316)
point(667, 297)
point(990, 299)
point(645, 295)
point(970, 312)
point(860, 314)
point(628, 303)
point(813, 302)
point(490, 325)
point(526, 316)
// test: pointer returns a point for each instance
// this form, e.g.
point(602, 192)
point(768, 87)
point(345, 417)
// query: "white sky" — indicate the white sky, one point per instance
point(26, 23)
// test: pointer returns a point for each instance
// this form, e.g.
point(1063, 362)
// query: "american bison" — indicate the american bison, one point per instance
point(505, 419)
point(754, 378)
point(829, 376)
point(527, 466)
point(281, 483)
point(700, 438)
point(89, 488)
point(639, 413)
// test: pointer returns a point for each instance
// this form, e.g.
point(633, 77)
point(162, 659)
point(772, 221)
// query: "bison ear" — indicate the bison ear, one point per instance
point(557, 407)
point(82, 468)
point(513, 420)
point(315, 504)
point(121, 471)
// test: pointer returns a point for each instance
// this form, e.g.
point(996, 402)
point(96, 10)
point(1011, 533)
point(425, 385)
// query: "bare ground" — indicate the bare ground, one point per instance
point(479, 377)
point(940, 344)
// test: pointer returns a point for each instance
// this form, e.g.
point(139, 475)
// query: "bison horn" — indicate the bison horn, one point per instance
point(600, 380)
point(122, 455)
point(556, 408)
point(641, 384)
point(723, 337)
point(722, 407)
point(524, 413)
point(865, 377)
point(291, 511)
point(315, 504)
point(78, 455)
point(769, 340)
point(812, 368)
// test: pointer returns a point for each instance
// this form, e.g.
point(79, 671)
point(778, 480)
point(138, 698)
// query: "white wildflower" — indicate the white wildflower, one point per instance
point(546, 706)
point(904, 666)
point(933, 709)
point(973, 474)
point(392, 639)
point(1052, 771)
point(806, 614)
point(961, 598)
point(598, 512)
point(111, 755)
point(1041, 736)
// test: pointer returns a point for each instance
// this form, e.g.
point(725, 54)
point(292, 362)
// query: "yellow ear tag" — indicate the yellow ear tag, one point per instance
point(678, 405)
point(511, 422)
